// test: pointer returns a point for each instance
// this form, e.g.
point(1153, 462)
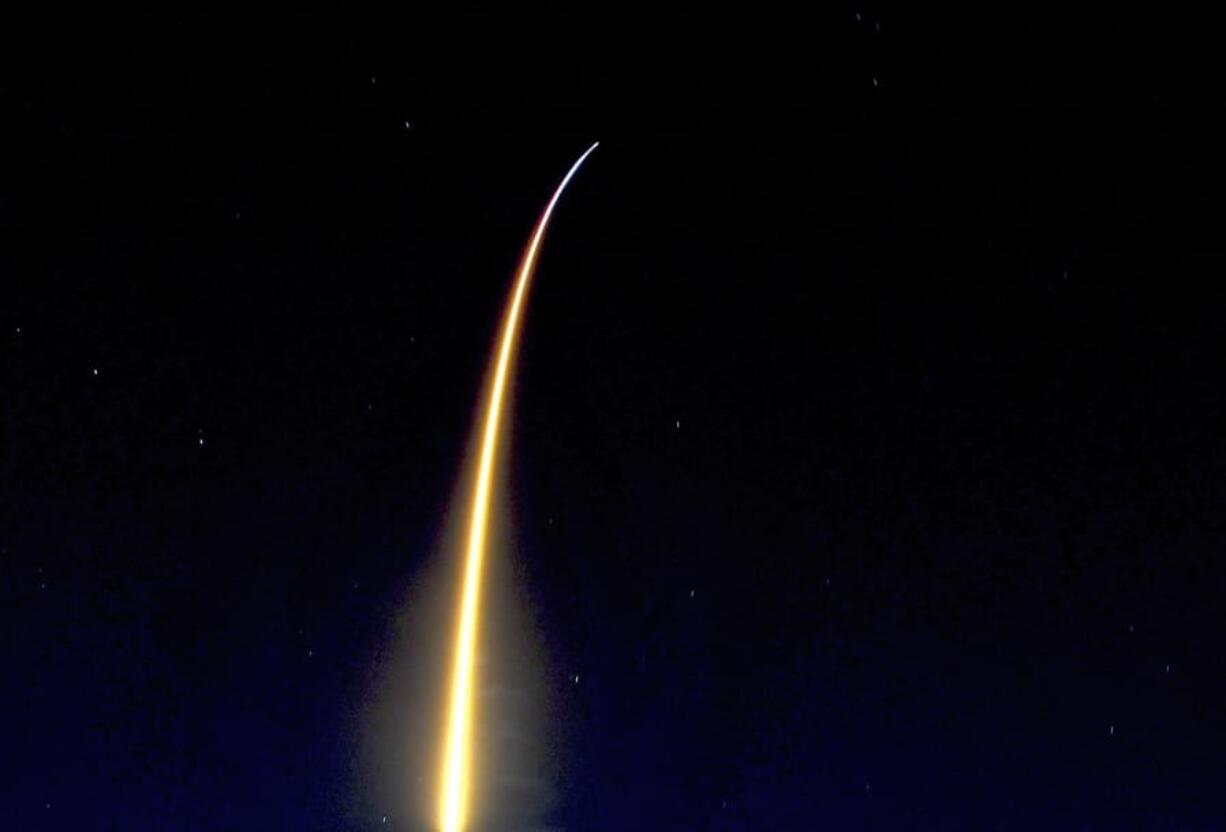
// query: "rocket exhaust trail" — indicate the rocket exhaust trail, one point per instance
point(456, 779)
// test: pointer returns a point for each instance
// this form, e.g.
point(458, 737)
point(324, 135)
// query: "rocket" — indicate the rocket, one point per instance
point(455, 786)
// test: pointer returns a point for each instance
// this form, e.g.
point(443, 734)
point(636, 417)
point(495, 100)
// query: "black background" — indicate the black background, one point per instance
point(914, 385)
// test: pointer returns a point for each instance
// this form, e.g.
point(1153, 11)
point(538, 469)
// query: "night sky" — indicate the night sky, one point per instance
point(869, 439)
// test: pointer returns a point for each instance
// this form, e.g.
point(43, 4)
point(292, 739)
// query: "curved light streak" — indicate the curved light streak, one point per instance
point(456, 777)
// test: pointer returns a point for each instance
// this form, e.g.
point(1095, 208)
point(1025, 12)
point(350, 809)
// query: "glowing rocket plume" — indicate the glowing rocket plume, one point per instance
point(456, 772)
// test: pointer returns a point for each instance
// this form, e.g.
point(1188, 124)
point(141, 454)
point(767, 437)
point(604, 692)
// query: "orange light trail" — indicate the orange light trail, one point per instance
point(456, 779)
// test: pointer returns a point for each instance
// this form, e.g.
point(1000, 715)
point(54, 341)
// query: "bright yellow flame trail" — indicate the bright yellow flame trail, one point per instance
point(456, 773)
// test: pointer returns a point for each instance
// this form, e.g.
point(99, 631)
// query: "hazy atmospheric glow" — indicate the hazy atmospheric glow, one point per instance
point(456, 775)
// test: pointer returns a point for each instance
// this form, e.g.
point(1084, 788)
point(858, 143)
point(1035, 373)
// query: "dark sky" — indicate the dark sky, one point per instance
point(869, 440)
